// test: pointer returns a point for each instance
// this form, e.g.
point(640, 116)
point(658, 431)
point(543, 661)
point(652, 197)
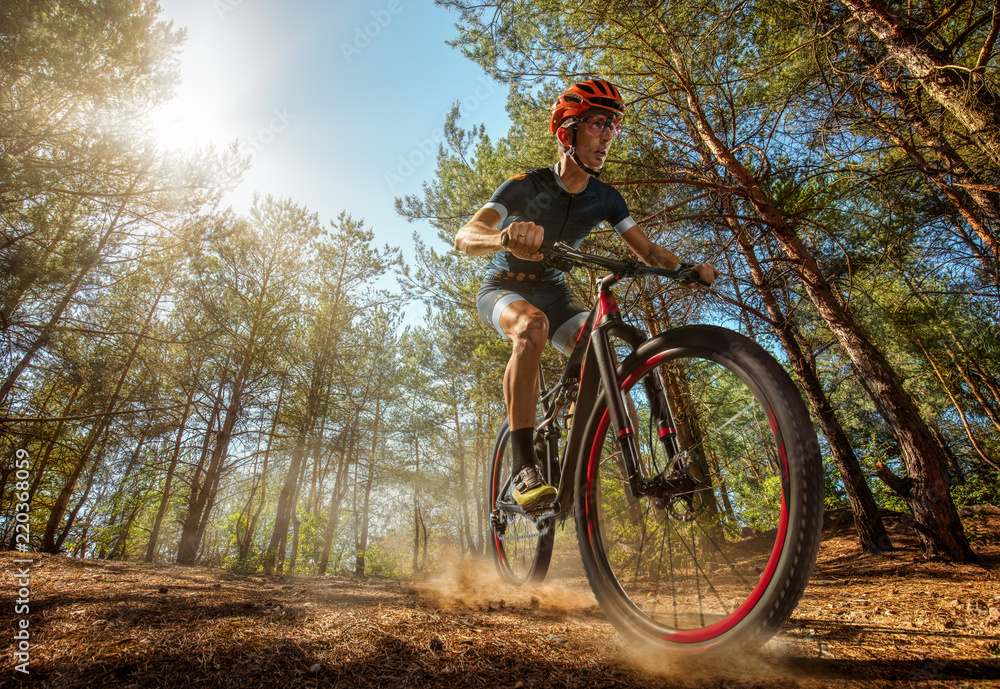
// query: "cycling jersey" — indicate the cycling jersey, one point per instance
point(541, 197)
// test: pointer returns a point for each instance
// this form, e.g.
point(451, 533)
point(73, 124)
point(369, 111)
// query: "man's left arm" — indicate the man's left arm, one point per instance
point(655, 255)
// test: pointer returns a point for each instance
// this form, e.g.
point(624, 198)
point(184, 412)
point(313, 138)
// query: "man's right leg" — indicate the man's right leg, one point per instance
point(528, 329)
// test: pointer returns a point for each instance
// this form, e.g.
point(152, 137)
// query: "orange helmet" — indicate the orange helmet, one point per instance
point(580, 97)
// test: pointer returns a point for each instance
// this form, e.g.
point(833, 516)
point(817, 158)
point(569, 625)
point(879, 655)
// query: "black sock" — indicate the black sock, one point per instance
point(522, 448)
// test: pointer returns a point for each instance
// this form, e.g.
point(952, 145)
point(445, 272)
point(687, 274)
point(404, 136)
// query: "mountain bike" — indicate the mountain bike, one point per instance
point(691, 467)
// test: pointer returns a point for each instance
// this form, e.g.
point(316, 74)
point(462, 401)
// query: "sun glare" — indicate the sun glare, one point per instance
point(179, 124)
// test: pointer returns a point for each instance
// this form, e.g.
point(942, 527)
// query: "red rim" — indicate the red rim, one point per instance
point(702, 634)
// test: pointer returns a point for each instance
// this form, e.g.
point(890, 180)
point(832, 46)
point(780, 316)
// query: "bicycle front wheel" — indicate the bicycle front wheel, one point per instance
point(718, 556)
point(521, 547)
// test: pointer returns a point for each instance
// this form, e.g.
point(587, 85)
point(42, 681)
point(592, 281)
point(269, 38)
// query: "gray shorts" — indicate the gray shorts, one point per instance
point(565, 312)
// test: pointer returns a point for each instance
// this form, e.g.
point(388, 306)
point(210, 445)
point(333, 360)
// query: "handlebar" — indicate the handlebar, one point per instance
point(562, 257)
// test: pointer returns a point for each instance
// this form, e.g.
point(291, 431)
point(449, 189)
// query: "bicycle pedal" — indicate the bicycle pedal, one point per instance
point(544, 511)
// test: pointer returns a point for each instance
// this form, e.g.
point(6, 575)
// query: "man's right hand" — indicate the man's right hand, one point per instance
point(524, 240)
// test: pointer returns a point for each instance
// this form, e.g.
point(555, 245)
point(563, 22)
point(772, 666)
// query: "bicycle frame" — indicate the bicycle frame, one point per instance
point(736, 408)
point(591, 366)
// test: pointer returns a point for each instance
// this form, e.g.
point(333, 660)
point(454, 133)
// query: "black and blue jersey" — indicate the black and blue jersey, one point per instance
point(541, 197)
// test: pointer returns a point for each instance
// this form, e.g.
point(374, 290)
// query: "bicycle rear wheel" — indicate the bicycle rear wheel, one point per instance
point(521, 548)
point(723, 562)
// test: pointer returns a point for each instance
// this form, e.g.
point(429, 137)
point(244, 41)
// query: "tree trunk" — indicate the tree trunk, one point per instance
point(362, 545)
point(416, 504)
point(296, 527)
point(941, 529)
point(965, 188)
point(133, 458)
point(285, 504)
point(60, 505)
point(867, 520)
point(79, 505)
point(154, 535)
point(465, 527)
point(336, 498)
point(191, 529)
point(209, 504)
point(479, 482)
point(246, 543)
point(953, 86)
point(199, 469)
point(118, 550)
point(49, 541)
point(42, 464)
point(296, 521)
point(283, 514)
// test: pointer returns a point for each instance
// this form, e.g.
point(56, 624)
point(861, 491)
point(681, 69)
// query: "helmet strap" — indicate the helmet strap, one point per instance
point(575, 157)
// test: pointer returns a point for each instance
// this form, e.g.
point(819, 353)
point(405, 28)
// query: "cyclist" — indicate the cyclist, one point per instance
point(528, 302)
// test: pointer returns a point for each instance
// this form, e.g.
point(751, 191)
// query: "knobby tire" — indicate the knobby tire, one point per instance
point(724, 565)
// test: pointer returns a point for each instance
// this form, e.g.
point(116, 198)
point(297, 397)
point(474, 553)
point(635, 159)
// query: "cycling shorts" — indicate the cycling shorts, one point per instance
point(565, 312)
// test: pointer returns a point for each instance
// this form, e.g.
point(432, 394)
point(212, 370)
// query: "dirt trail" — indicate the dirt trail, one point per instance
point(893, 621)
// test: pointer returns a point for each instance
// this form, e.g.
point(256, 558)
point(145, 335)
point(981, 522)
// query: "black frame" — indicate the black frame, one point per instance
point(579, 384)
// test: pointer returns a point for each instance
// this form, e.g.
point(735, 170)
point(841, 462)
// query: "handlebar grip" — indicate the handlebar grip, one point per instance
point(686, 273)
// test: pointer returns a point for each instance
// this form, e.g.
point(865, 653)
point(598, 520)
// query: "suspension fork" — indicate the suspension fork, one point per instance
point(608, 318)
point(653, 383)
point(666, 428)
point(609, 321)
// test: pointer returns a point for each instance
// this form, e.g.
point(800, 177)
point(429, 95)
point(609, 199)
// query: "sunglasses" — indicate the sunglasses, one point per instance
point(596, 124)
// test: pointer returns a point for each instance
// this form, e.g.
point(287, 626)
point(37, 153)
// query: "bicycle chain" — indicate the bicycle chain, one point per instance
point(526, 536)
point(545, 515)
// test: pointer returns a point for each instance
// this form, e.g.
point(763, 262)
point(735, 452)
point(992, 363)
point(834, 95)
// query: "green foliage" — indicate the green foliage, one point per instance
point(979, 488)
point(834, 495)
point(134, 312)
point(379, 563)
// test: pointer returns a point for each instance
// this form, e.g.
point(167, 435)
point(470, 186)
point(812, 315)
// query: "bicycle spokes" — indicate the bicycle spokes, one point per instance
point(692, 549)
point(521, 544)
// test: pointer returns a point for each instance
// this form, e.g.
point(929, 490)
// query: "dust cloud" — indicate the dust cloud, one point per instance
point(476, 584)
point(473, 584)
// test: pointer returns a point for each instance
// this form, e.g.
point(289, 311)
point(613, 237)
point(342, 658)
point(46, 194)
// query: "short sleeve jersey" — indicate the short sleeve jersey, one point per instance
point(541, 197)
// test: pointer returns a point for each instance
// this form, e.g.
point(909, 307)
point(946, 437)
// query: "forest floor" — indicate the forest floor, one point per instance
point(888, 621)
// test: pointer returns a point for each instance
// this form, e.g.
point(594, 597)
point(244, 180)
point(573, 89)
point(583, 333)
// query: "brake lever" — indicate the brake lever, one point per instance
point(687, 274)
point(683, 273)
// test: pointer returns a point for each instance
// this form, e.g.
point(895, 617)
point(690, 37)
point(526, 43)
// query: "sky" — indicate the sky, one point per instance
point(341, 104)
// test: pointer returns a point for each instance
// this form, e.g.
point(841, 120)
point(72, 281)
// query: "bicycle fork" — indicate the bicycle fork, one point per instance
point(608, 320)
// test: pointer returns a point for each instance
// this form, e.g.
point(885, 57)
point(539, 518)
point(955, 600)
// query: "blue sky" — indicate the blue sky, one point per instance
point(341, 104)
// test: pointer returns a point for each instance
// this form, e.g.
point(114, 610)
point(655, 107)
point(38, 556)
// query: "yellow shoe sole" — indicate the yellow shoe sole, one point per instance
point(532, 496)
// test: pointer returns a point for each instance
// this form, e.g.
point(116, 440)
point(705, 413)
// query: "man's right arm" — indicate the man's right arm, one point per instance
point(480, 236)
